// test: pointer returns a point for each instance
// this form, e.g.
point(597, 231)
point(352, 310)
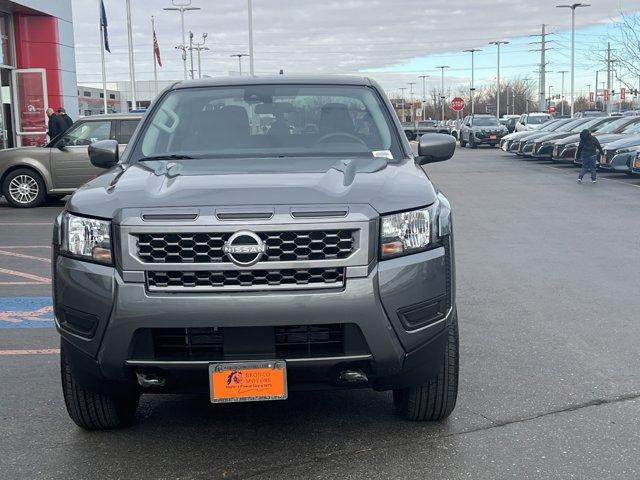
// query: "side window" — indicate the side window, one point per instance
point(85, 133)
point(521, 120)
point(127, 127)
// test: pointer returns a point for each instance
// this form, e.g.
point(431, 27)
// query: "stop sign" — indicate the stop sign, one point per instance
point(457, 104)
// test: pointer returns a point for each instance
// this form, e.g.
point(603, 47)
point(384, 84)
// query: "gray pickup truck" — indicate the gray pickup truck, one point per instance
point(258, 236)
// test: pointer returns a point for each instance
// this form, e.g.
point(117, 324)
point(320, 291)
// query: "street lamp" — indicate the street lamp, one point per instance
point(424, 93)
point(562, 93)
point(473, 88)
point(411, 84)
point(442, 97)
point(182, 6)
point(402, 89)
point(573, 41)
point(497, 44)
point(240, 55)
point(198, 46)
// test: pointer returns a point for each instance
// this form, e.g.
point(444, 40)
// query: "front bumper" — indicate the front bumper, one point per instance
point(107, 357)
point(563, 154)
point(543, 152)
point(620, 163)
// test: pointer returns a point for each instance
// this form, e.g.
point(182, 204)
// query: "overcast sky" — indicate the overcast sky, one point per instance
point(391, 40)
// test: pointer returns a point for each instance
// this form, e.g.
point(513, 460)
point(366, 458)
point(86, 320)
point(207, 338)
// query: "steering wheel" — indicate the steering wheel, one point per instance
point(328, 136)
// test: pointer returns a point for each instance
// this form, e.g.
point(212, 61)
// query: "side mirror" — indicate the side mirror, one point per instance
point(61, 144)
point(104, 154)
point(435, 147)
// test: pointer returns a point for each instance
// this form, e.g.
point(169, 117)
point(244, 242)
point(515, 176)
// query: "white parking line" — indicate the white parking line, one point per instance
point(24, 224)
point(28, 276)
point(7, 247)
point(600, 177)
point(22, 255)
point(21, 283)
point(35, 351)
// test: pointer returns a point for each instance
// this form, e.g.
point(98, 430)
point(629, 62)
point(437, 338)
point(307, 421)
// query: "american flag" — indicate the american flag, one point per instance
point(156, 48)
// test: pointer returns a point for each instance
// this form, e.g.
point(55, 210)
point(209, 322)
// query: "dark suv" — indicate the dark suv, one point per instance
point(481, 129)
point(255, 237)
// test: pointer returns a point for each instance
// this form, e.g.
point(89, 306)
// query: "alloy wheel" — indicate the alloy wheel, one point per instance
point(23, 189)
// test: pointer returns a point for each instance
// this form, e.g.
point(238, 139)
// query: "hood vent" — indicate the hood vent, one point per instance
point(168, 217)
point(319, 213)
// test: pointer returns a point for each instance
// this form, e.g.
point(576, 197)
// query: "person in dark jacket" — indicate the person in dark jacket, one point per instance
point(56, 124)
point(588, 150)
point(66, 118)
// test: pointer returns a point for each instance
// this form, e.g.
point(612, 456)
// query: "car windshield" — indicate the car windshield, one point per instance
point(537, 119)
point(615, 125)
point(485, 121)
point(632, 128)
point(268, 121)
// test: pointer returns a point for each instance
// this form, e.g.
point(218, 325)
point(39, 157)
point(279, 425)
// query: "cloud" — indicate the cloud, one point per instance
point(312, 37)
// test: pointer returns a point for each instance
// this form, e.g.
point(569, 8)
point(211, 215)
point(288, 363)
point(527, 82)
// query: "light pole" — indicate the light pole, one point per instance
point(411, 84)
point(250, 13)
point(182, 6)
point(240, 55)
point(442, 97)
point(424, 94)
point(402, 89)
point(589, 95)
point(549, 104)
point(198, 46)
point(573, 42)
point(473, 88)
point(497, 44)
point(562, 93)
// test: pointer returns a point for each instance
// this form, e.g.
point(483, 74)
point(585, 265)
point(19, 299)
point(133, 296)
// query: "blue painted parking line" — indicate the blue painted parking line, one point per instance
point(26, 312)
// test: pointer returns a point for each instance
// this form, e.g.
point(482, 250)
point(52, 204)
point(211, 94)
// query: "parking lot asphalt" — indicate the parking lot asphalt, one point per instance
point(548, 274)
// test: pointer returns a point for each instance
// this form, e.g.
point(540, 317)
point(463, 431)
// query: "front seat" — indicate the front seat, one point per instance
point(335, 118)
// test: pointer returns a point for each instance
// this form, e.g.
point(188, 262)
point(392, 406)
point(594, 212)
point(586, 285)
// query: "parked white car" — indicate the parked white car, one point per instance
point(531, 121)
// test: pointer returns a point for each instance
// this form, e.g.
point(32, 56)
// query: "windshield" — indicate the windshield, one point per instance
point(269, 121)
point(615, 125)
point(485, 121)
point(537, 119)
point(632, 128)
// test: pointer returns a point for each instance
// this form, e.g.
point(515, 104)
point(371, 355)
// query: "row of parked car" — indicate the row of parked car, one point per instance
point(557, 140)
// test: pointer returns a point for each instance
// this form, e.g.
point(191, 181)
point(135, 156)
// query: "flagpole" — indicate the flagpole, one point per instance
point(104, 71)
point(153, 52)
point(132, 71)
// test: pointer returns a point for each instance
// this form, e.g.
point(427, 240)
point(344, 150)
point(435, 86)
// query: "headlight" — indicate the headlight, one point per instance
point(415, 230)
point(86, 238)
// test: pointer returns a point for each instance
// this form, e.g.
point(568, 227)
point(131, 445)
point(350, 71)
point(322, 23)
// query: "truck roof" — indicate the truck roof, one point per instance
point(277, 80)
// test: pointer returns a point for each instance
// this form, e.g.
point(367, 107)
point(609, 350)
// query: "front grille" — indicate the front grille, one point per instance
point(245, 279)
point(280, 246)
point(224, 343)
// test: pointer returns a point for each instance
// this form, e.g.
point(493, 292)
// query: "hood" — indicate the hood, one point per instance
point(534, 136)
point(554, 136)
point(388, 187)
point(574, 138)
point(516, 135)
point(627, 141)
point(489, 128)
point(608, 138)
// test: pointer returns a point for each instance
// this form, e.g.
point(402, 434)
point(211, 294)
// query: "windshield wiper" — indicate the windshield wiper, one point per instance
point(173, 156)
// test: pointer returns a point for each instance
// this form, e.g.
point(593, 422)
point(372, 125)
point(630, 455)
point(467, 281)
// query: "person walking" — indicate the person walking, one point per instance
point(588, 150)
point(56, 124)
point(66, 118)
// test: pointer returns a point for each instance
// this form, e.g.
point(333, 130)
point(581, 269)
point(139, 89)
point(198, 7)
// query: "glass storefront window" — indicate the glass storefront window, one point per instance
point(6, 44)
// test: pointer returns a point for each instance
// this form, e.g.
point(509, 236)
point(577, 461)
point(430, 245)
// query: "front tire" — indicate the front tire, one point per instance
point(435, 399)
point(24, 188)
point(462, 142)
point(95, 411)
point(472, 142)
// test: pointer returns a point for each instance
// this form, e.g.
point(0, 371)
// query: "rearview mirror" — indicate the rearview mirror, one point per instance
point(104, 154)
point(435, 147)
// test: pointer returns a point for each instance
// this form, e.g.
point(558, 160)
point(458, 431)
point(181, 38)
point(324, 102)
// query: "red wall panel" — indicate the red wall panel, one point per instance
point(37, 46)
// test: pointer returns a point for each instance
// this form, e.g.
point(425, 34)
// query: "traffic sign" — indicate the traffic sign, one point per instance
point(457, 104)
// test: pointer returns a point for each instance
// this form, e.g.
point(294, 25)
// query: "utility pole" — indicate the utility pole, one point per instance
point(473, 88)
point(411, 84)
point(609, 78)
point(549, 105)
point(250, 12)
point(573, 44)
point(402, 89)
point(182, 6)
point(239, 55)
point(424, 94)
point(191, 53)
point(589, 95)
point(442, 97)
point(497, 44)
point(543, 65)
point(562, 94)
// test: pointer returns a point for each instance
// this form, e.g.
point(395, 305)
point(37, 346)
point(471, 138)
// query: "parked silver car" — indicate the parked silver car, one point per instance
point(30, 175)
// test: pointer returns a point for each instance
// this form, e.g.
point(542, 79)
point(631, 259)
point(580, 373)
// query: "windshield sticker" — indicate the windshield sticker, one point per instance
point(383, 154)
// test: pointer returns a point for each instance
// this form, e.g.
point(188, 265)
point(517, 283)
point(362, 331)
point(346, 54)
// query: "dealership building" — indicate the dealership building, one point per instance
point(37, 67)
